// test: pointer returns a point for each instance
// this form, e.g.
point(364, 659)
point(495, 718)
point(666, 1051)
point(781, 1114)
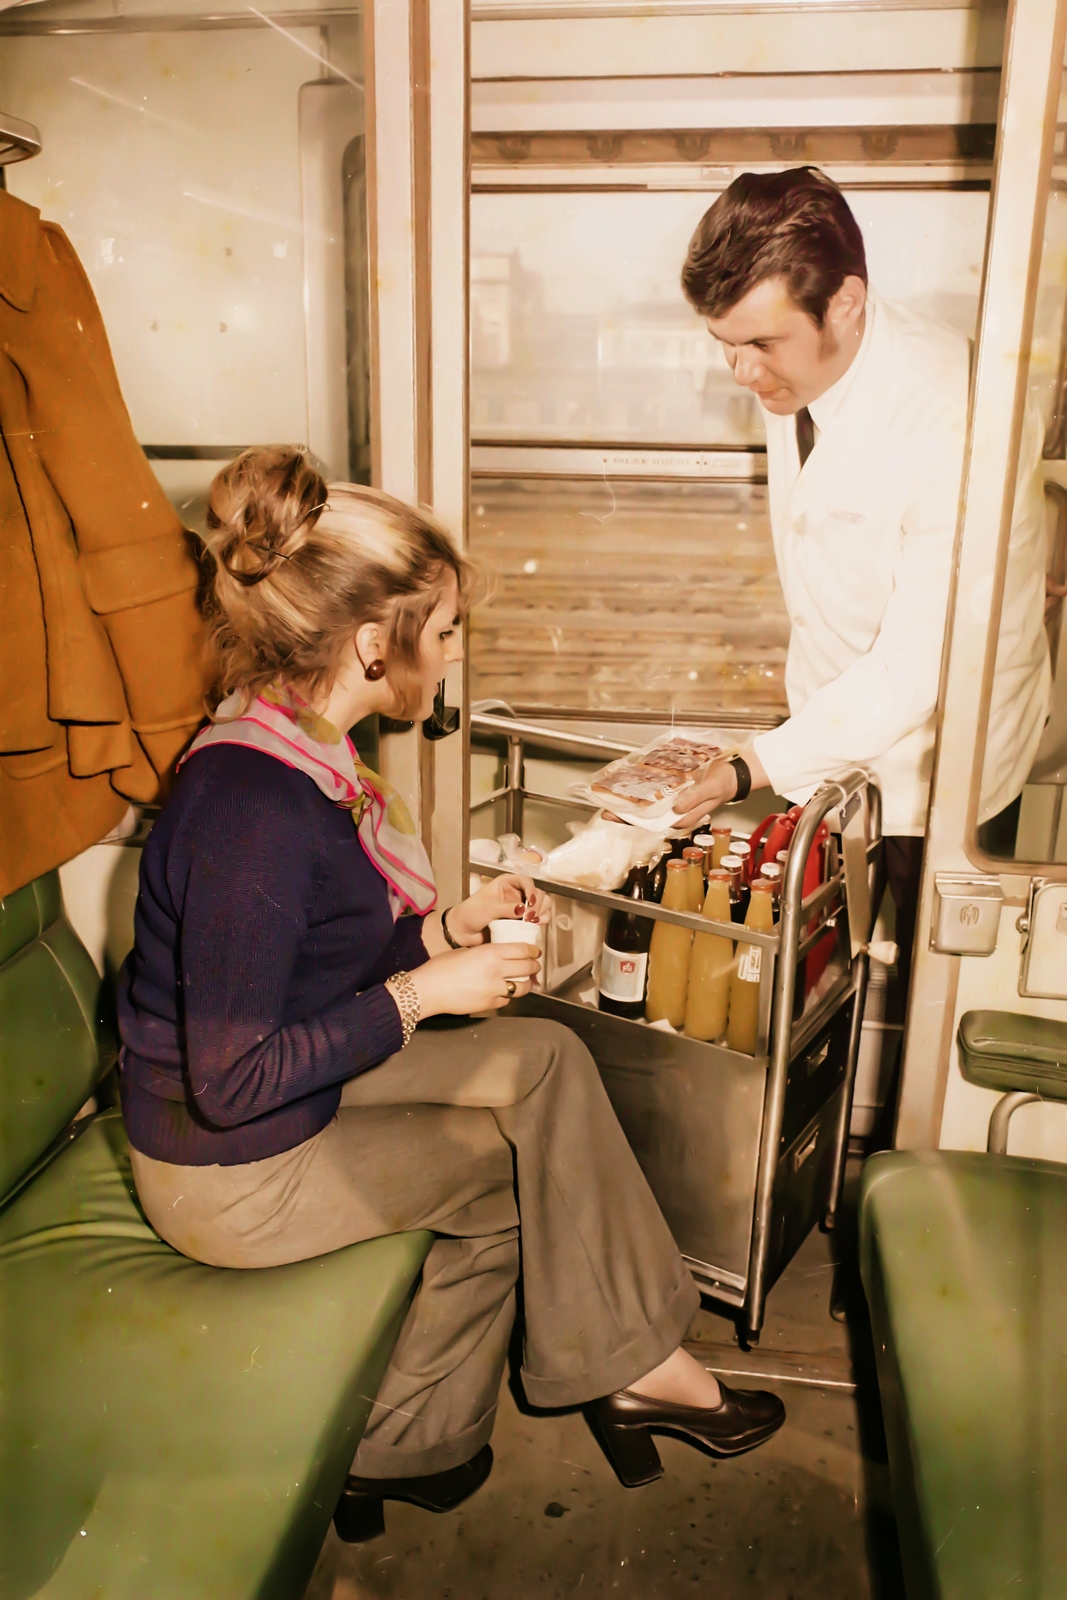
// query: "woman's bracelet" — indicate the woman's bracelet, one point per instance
point(406, 995)
point(452, 942)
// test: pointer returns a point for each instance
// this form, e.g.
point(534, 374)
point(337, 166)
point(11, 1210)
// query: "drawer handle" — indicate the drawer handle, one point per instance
point(809, 1149)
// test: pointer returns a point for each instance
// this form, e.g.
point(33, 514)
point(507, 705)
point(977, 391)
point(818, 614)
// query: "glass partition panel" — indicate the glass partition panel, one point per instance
point(614, 595)
point(580, 331)
point(211, 180)
point(1022, 814)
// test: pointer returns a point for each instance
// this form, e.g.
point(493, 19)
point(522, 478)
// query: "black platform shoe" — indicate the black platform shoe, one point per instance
point(360, 1513)
point(621, 1421)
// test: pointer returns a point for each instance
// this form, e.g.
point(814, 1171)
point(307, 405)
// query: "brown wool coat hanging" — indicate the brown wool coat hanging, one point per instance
point(101, 644)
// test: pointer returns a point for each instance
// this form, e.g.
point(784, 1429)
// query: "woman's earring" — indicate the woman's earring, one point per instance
point(375, 671)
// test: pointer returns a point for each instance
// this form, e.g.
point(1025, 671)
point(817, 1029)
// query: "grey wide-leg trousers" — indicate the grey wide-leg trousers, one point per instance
point(500, 1138)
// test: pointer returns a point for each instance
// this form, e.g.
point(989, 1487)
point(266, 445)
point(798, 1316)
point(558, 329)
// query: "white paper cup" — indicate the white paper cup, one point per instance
point(512, 930)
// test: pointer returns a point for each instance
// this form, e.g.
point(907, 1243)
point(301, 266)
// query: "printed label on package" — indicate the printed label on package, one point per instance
point(749, 963)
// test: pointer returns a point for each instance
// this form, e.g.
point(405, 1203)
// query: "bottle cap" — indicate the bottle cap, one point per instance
point(676, 864)
point(704, 840)
point(722, 827)
point(770, 870)
point(782, 857)
point(693, 852)
point(740, 847)
point(727, 862)
point(763, 884)
point(718, 875)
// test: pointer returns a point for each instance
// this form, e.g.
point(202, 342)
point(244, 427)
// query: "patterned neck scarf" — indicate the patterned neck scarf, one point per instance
point(282, 725)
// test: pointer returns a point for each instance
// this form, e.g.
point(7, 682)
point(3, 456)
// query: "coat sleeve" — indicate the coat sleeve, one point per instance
point(889, 692)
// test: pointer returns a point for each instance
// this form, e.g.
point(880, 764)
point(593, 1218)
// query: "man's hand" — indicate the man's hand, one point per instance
point(1055, 593)
point(715, 789)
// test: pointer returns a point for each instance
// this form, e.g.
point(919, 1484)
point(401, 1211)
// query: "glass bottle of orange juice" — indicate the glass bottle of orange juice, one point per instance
point(745, 980)
point(693, 857)
point(711, 967)
point(668, 956)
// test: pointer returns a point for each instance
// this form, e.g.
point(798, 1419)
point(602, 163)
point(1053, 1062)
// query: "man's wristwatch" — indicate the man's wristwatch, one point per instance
point(744, 780)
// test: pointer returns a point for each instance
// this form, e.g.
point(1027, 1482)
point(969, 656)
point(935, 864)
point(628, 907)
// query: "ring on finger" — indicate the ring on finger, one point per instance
point(512, 988)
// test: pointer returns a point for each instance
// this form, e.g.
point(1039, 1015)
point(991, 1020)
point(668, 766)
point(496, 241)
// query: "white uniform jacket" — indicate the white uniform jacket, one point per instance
point(864, 537)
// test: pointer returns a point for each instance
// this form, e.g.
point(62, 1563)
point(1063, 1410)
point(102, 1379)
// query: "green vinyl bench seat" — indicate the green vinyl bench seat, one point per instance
point(167, 1430)
point(964, 1263)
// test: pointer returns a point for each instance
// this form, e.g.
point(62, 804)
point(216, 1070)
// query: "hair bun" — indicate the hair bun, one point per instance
point(261, 510)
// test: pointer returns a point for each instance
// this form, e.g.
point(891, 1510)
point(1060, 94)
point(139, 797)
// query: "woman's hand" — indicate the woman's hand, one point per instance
point(510, 895)
point(464, 981)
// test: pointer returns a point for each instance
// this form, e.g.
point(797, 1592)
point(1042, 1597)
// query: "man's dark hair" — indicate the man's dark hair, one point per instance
point(794, 225)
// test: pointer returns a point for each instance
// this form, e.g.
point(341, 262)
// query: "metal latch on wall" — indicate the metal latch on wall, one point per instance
point(1043, 925)
point(966, 914)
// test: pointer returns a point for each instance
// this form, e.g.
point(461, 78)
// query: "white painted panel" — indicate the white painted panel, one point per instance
point(793, 41)
point(99, 896)
point(173, 162)
point(1039, 1130)
point(748, 101)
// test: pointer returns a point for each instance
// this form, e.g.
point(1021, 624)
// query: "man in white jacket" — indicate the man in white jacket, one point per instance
point(865, 405)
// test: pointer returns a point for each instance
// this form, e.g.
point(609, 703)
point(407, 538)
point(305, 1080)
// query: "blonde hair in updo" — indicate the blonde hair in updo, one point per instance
point(300, 564)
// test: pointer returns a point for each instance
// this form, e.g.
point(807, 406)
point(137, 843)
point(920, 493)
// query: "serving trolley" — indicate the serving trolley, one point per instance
point(744, 1153)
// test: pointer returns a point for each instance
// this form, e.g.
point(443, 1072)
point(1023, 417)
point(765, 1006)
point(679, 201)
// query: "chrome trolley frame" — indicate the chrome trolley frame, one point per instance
point(744, 1153)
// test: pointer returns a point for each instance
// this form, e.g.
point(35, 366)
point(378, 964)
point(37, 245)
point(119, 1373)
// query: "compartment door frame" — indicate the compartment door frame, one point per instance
point(418, 119)
point(1026, 125)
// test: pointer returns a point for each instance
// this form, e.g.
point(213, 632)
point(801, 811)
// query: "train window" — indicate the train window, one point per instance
point(590, 373)
point(586, 610)
point(580, 331)
point(225, 241)
point(1031, 825)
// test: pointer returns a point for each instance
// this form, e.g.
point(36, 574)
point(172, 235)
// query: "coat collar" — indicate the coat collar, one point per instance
point(20, 232)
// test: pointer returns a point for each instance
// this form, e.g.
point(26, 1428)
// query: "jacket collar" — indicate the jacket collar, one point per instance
point(825, 408)
point(848, 421)
point(20, 232)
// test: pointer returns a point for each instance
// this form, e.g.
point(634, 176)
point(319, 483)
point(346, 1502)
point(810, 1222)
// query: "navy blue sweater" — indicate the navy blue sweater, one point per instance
point(263, 936)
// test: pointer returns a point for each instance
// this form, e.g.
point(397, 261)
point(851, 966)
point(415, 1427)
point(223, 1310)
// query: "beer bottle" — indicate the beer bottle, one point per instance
point(710, 967)
point(706, 842)
point(668, 957)
point(772, 873)
point(693, 857)
point(745, 980)
point(742, 848)
point(624, 954)
point(738, 892)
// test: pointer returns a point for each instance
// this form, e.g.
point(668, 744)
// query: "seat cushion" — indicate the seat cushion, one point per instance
point(170, 1429)
point(964, 1261)
point(53, 1050)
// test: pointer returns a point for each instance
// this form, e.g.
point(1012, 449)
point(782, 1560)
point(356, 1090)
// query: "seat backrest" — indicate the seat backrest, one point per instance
point(51, 1053)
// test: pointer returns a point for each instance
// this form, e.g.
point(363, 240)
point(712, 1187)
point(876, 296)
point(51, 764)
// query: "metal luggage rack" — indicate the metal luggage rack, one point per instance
point(744, 1153)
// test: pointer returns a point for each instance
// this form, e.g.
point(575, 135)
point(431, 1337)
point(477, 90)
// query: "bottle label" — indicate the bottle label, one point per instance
point(749, 963)
point(622, 974)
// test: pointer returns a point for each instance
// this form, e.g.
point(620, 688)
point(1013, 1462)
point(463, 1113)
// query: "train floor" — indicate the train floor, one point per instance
point(807, 1517)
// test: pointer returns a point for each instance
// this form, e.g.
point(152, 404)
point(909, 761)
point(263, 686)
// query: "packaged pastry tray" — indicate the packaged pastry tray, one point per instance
point(643, 786)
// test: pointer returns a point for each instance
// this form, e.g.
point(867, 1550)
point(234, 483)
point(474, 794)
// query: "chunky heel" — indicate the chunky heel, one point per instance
point(631, 1451)
point(359, 1517)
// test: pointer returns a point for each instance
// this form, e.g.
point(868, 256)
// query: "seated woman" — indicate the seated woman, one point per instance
point(281, 1100)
